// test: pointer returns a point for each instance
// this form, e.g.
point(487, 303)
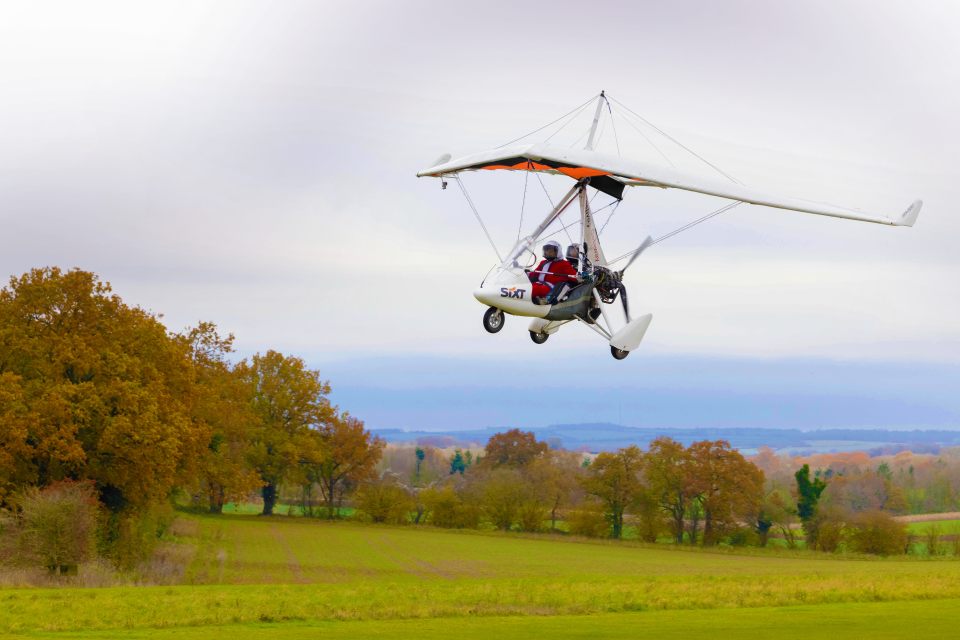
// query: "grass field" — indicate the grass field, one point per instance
point(290, 578)
point(946, 527)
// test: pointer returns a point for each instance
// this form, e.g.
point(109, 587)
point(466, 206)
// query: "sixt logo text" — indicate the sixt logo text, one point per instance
point(512, 292)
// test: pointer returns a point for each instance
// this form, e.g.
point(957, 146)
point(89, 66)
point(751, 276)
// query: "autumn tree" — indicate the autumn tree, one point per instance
point(554, 480)
point(17, 422)
point(348, 455)
point(289, 404)
point(102, 389)
point(668, 477)
point(728, 487)
point(779, 512)
point(615, 478)
point(226, 411)
point(513, 448)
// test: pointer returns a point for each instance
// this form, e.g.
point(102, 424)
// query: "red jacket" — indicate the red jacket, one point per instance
point(557, 271)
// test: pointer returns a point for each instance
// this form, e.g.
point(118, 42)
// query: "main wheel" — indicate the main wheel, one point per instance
point(493, 320)
point(539, 338)
point(619, 354)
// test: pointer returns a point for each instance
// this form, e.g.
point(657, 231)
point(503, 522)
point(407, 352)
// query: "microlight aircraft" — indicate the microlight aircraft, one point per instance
point(507, 289)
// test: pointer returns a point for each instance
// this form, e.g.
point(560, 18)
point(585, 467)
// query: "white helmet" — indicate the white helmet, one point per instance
point(555, 245)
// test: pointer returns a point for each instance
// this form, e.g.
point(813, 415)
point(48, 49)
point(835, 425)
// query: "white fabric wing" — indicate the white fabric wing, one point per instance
point(577, 164)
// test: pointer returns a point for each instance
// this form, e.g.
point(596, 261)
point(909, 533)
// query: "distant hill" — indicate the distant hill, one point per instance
point(607, 437)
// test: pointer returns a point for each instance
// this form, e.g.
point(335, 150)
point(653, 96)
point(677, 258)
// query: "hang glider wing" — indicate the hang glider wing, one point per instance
point(611, 173)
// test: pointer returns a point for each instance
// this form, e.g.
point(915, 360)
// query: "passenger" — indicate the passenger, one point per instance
point(560, 291)
point(573, 256)
point(551, 271)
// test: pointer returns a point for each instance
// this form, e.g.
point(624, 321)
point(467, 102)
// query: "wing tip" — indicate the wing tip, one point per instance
point(909, 216)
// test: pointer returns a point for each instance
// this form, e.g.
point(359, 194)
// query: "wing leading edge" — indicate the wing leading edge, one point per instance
point(579, 164)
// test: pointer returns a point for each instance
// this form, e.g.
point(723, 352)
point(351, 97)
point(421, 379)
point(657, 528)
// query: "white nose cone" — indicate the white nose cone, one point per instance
point(488, 296)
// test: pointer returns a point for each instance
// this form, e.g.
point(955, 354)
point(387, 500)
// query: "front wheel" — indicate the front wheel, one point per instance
point(539, 338)
point(619, 354)
point(493, 320)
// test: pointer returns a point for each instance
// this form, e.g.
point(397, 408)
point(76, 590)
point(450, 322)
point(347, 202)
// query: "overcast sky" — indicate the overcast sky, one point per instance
point(253, 164)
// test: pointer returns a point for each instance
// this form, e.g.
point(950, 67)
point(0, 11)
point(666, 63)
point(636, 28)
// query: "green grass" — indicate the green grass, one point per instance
point(300, 575)
point(885, 621)
point(946, 527)
point(251, 508)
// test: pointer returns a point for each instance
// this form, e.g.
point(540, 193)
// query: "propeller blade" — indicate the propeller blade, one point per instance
point(636, 254)
point(626, 306)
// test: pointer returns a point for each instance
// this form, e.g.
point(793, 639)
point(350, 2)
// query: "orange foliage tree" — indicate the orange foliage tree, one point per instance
point(290, 404)
point(348, 455)
point(101, 389)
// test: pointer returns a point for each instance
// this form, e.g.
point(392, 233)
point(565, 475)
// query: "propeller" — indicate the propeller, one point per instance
point(623, 290)
point(636, 254)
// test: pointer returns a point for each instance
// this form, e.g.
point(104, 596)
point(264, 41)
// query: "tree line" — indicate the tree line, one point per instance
point(106, 414)
point(701, 494)
point(705, 493)
point(97, 392)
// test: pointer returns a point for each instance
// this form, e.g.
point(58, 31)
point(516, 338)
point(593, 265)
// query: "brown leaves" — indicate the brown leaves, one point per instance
point(104, 391)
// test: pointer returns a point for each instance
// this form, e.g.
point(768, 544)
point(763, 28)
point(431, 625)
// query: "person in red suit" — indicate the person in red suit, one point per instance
point(551, 272)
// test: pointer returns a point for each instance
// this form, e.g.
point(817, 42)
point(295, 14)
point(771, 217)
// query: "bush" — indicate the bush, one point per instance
point(448, 510)
point(129, 536)
point(384, 501)
point(589, 520)
point(649, 521)
point(878, 533)
point(59, 525)
point(826, 529)
point(931, 536)
point(501, 492)
point(531, 516)
point(743, 537)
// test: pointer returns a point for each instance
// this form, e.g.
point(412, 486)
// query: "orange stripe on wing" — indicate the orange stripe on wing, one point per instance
point(574, 172)
point(581, 172)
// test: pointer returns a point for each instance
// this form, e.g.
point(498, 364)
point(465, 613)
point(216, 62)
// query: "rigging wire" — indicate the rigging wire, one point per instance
point(649, 141)
point(477, 214)
point(594, 213)
point(564, 125)
point(550, 200)
point(547, 193)
point(613, 125)
point(689, 225)
point(523, 202)
point(678, 143)
point(616, 205)
point(576, 109)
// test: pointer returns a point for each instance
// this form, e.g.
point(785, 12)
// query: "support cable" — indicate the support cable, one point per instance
point(678, 143)
point(689, 225)
point(649, 141)
point(613, 124)
point(476, 213)
point(572, 111)
point(523, 203)
point(616, 205)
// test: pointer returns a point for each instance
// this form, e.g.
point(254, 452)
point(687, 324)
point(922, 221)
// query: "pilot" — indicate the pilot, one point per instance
point(551, 272)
